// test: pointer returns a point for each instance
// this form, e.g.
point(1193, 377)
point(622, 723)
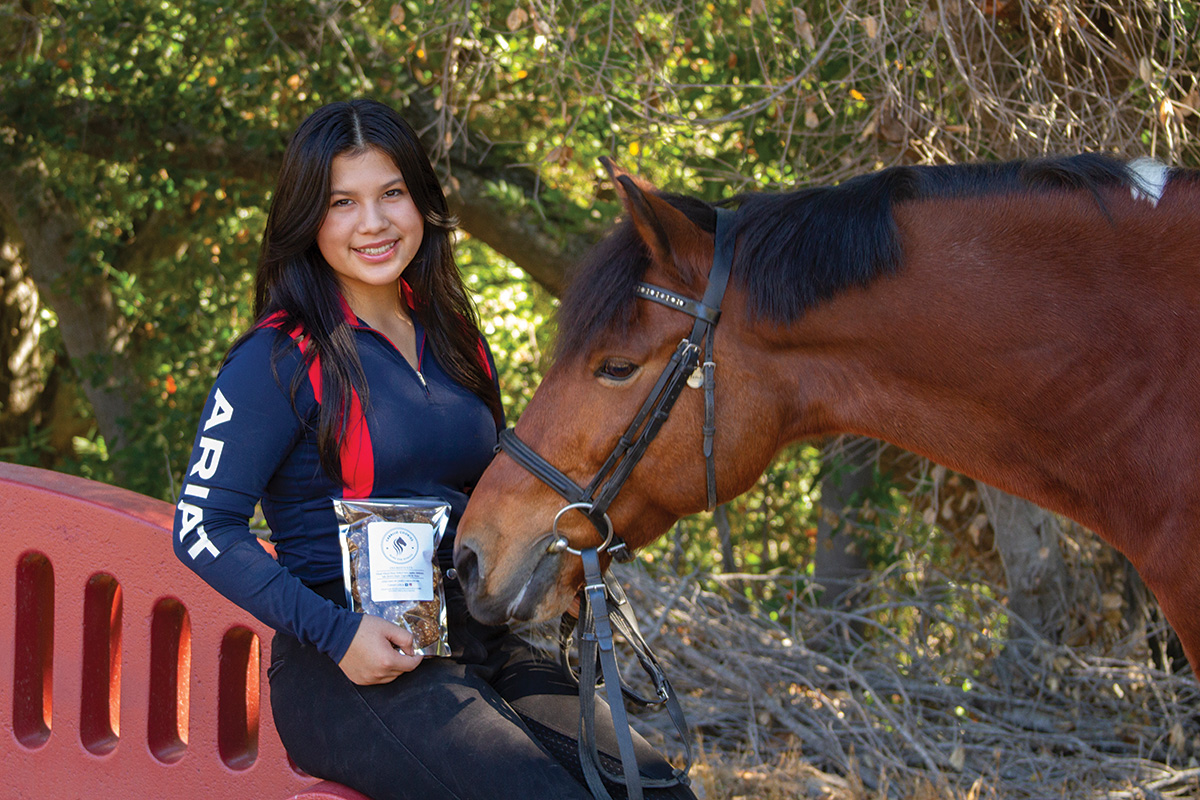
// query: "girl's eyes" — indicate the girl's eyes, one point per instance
point(391, 194)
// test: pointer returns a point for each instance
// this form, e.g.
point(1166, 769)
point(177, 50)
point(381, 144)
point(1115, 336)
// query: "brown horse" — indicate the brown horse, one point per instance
point(1035, 325)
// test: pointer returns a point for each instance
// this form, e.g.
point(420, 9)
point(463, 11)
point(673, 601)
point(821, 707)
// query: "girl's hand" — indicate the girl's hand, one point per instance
point(373, 656)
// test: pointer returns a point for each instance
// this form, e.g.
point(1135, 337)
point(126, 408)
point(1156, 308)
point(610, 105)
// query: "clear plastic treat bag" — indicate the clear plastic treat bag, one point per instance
point(389, 564)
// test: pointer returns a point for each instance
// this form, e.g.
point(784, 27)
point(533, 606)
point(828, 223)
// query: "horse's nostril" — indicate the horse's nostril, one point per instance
point(466, 562)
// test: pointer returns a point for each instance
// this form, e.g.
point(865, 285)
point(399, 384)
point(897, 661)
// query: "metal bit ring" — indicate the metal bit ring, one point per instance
point(560, 544)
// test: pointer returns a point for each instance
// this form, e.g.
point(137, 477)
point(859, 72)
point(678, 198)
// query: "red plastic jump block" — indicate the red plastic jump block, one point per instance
point(121, 672)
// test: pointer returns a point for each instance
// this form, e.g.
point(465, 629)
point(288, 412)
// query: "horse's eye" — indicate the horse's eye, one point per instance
point(617, 369)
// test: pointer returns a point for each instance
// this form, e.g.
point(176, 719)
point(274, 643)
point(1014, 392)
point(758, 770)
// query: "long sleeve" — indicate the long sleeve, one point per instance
point(247, 430)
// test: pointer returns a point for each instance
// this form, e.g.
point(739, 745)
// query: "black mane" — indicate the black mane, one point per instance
point(808, 245)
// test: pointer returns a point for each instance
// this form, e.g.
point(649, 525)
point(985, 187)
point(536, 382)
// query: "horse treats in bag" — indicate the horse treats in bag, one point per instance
point(389, 566)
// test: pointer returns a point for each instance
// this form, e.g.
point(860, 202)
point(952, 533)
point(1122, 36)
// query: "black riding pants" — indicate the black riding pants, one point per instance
point(496, 720)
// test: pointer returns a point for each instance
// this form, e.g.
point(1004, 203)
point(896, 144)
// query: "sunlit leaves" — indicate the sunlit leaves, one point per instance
point(515, 315)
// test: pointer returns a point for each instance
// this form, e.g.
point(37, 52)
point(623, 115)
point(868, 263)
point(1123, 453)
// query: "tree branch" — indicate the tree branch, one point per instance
point(544, 245)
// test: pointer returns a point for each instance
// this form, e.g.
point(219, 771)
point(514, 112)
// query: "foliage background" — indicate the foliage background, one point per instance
point(139, 138)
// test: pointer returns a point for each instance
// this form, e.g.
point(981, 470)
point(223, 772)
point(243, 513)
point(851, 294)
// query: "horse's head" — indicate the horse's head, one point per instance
point(612, 349)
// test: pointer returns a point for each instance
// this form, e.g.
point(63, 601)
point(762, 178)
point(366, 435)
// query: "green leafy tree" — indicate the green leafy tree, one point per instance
point(138, 141)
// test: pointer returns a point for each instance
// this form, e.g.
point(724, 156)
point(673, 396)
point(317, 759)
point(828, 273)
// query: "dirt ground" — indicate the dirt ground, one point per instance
point(916, 694)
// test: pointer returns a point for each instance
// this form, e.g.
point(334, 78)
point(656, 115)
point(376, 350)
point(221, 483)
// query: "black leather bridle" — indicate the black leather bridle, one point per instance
point(684, 367)
point(603, 605)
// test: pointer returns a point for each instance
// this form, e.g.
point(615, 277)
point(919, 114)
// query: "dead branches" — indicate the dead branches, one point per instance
point(916, 689)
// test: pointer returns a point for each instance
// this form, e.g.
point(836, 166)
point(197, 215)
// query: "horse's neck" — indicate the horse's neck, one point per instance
point(1031, 352)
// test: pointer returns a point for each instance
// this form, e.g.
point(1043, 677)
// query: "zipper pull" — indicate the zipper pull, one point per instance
point(421, 378)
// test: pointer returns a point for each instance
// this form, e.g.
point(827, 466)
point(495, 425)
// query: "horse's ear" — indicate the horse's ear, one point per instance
point(614, 169)
point(674, 241)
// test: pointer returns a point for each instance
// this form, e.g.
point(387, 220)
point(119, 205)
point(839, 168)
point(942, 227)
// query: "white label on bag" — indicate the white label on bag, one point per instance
point(401, 560)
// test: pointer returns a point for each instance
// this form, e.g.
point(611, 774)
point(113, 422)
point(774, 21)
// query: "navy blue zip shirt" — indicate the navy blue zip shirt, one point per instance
point(422, 435)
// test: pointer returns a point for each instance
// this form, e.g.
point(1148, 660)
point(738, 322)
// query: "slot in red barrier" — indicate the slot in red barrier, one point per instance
point(33, 668)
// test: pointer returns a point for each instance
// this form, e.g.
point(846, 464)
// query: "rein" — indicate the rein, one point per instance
point(597, 618)
point(597, 621)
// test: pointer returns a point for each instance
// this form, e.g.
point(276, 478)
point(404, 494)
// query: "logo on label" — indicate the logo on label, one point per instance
point(400, 546)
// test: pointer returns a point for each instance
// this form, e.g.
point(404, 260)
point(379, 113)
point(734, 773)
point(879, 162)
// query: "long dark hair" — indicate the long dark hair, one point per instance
point(296, 286)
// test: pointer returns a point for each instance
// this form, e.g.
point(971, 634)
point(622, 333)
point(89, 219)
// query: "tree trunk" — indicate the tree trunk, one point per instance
point(93, 333)
point(736, 587)
point(1145, 621)
point(1027, 538)
point(544, 250)
point(838, 564)
point(36, 391)
point(24, 371)
point(721, 520)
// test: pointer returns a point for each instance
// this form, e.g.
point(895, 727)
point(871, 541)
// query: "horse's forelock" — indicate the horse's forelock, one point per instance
point(599, 294)
point(599, 297)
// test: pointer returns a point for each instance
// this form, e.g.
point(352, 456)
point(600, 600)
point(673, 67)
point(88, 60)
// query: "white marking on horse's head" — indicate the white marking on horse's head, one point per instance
point(1149, 179)
point(516, 603)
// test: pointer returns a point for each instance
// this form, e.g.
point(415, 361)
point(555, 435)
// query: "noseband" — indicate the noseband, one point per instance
point(684, 367)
